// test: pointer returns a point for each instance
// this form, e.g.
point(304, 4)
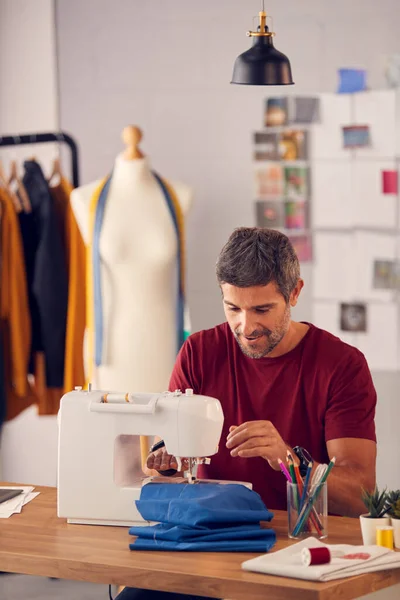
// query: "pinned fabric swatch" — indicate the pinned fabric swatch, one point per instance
point(203, 517)
point(352, 80)
point(389, 182)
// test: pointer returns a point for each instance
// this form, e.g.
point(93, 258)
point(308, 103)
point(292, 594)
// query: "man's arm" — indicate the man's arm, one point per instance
point(354, 469)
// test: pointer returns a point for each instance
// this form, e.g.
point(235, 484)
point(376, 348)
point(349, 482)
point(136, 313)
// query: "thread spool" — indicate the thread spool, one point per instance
point(315, 556)
point(384, 536)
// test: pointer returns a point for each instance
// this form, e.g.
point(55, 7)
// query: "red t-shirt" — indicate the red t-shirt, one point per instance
point(319, 391)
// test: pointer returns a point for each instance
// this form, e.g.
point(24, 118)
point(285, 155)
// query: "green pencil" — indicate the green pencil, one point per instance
point(307, 507)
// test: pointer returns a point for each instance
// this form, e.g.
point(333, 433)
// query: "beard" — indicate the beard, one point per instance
point(265, 340)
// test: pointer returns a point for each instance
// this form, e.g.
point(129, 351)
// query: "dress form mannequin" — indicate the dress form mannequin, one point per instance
point(138, 249)
point(138, 252)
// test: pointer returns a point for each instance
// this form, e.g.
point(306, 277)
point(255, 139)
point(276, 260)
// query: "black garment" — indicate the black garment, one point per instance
point(138, 594)
point(47, 274)
point(30, 240)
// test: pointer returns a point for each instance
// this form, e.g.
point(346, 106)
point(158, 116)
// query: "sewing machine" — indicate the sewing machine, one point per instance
point(91, 422)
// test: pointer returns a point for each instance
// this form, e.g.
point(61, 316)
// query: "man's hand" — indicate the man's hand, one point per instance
point(257, 438)
point(160, 460)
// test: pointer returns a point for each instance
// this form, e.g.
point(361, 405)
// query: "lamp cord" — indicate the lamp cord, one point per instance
point(262, 5)
point(109, 593)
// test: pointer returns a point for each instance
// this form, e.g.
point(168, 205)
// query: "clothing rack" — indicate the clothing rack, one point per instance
point(40, 138)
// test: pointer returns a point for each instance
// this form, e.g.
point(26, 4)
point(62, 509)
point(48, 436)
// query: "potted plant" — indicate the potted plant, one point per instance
point(393, 510)
point(376, 504)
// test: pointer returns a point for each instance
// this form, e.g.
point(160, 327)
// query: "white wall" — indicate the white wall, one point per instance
point(166, 65)
point(28, 103)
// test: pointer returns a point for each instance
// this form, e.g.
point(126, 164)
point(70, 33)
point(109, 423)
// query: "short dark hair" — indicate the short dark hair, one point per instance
point(257, 256)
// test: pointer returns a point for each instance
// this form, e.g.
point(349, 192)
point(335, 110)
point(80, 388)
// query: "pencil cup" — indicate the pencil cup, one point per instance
point(307, 514)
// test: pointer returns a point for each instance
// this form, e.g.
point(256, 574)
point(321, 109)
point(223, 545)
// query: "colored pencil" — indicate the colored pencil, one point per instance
point(284, 470)
point(304, 513)
point(306, 484)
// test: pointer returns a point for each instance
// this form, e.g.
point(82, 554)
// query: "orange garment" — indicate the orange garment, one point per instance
point(74, 373)
point(14, 311)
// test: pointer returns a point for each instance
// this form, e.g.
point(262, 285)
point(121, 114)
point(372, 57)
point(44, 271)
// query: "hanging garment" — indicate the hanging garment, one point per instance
point(15, 323)
point(74, 374)
point(3, 399)
point(49, 279)
point(94, 311)
point(207, 517)
point(60, 194)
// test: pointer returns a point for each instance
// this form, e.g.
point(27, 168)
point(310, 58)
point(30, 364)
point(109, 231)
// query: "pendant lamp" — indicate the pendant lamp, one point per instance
point(262, 64)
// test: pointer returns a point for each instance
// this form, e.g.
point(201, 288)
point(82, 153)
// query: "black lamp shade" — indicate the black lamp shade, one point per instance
point(262, 64)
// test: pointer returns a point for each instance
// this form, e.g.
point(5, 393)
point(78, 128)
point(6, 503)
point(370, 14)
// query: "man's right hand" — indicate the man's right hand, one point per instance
point(160, 460)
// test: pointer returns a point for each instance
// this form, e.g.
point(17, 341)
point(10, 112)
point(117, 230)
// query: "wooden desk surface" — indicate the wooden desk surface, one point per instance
point(37, 542)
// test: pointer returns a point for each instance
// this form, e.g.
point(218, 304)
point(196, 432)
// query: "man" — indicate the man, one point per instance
point(282, 385)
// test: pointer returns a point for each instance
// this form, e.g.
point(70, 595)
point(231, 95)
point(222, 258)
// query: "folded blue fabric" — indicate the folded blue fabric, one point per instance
point(201, 505)
point(202, 518)
point(227, 546)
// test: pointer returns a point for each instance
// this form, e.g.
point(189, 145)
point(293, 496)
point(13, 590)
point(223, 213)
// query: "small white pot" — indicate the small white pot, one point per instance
point(396, 532)
point(368, 528)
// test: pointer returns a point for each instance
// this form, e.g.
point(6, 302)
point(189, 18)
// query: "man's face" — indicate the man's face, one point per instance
point(258, 316)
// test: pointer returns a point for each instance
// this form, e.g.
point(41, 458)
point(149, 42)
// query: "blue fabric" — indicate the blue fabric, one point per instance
point(98, 299)
point(206, 517)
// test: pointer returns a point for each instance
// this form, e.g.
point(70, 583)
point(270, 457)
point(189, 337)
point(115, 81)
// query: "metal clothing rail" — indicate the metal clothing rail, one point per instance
point(40, 138)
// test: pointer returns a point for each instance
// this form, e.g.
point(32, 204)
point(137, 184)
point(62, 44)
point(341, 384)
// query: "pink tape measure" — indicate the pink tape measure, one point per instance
point(323, 556)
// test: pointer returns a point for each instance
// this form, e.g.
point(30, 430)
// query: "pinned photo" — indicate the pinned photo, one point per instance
point(353, 317)
point(296, 183)
point(270, 213)
point(356, 136)
point(293, 145)
point(306, 110)
point(302, 246)
point(389, 182)
point(269, 181)
point(266, 146)
point(276, 112)
point(395, 276)
point(295, 215)
point(382, 274)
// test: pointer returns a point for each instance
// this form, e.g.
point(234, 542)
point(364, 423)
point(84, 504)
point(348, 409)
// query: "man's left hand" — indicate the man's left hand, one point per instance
point(257, 438)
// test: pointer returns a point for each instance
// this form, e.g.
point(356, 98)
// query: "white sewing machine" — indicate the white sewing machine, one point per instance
point(90, 422)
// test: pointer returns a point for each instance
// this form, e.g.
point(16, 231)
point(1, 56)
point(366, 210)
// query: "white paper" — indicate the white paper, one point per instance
point(334, 267)
point(380, 343)
point(378, 110)
point(287, 562)
point(14, 505)
point(332, 200)
point(327, 138)
point(371, 207)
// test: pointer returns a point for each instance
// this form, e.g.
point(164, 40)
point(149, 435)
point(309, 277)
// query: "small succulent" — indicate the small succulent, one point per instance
point(393, 504)
point(376, 503)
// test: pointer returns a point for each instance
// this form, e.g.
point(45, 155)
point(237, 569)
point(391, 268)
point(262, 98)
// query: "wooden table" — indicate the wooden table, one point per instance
point(37, 542)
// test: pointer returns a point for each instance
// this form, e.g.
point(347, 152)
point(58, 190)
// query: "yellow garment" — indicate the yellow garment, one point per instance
point(15, 320)
point(181, 226)
point(74, 373)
